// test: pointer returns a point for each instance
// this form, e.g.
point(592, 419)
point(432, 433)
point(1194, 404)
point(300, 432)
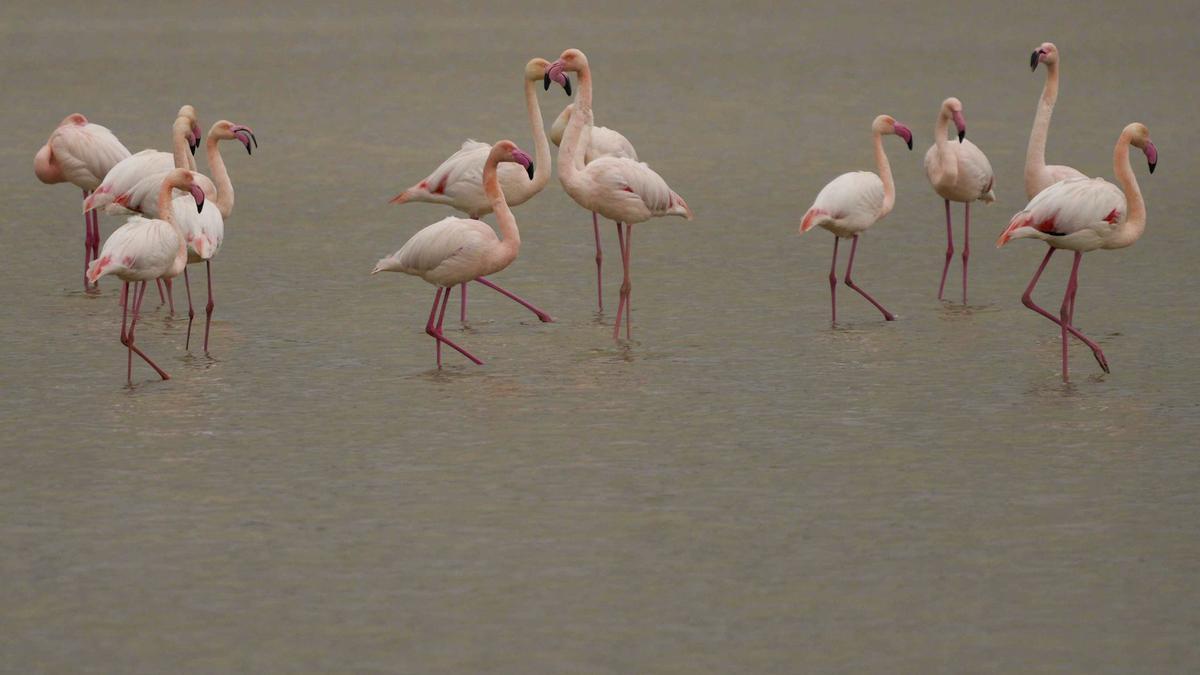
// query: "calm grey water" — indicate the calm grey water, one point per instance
point(740, 488)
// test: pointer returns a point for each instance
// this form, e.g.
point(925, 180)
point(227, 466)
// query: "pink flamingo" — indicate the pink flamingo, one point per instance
point(455, 251)
point(1038, 176)
point(959, 172)
point(144, 249)
point(601, 142)
point(458, 181)
point(617, 188)
point(1085, 214)
point(80, 153)
point(854, 201)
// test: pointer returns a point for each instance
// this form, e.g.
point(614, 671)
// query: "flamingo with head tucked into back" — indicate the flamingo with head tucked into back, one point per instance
point(143, 249)
point(1039, 176)
point(458, 181)
point(854, 201)
point(959, 172)
point(618, 188)
point(80, 153)
point(1085, 214)
point(455, 251)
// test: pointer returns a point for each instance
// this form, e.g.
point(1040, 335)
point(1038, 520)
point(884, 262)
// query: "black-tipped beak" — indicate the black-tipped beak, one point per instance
point(961, 135)
point(1152, 165)
point(529, 170)
point(910, 144)
point(199, 207)
point(546, 81)
point(567, 86)
point(1033, 60)
point(193, 147)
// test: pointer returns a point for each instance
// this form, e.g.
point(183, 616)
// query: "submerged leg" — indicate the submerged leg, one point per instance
point(441, 320)
point(542, 316)
point(625, 242)
point(187, 284)
point(850, 282)
point(208, 309)
point(833, 279)
point(966, 247)
point(599, 260)
point(1064, 313)
point(949, 251)
point(140, 295)
point(162, 298)
point(1027, 300)
point(436, 334)
point(170, 283)
point(621, 295)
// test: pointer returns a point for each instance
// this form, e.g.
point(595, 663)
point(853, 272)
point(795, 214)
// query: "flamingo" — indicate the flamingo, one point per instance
point(80, 153)
point(1038, 176)
point(455, 251)
point(602, 142)
point(854, 201)
point(205, 230)
point(458, 181)
point(1085, 214)
point(958, 172)
point(144, 249)
point(617, 188)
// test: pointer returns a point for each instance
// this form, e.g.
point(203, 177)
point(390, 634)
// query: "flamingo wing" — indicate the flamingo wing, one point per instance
point(143, 196)
point(629, 180)
point(204, 230)
point(86, 153)
point(142, 246)
point(1073, 206)
point(126, 174)
point(445, 247)
point(856, 196)
point(605, 142)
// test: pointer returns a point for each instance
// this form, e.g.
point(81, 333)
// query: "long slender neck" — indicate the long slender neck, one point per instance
point(560, 124)
point(509, 234)
point(220, 176)
point(179, 145)
point(165, 195)
point(1135, 217)
point(1035, 155)
point(947, 164)
point(541, 146)
point(571, 152)
point(885, 174)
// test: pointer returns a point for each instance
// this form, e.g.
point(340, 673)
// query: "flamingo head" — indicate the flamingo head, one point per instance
point(74, 119)
point(192, 134)
point(537, 69)
point(571, 60)
point(507, 151)
point(953, 108)
point(181, 179)
point(1047, 54)
point(886, 124)
point(1139, 137)
point(224, 130)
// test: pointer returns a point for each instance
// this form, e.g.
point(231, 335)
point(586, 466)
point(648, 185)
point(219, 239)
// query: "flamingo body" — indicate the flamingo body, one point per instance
point(974, 180)
point(848, 205)
point(143, 249)
point(142, 196)
point(80, 153)
point(601, 141)
point(1078, 214)
point(458, 182)
point(449, 252)
point(626, 191)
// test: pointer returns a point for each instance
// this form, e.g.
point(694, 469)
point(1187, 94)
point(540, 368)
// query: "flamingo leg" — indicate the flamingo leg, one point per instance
point(949, 251)
point(599, 260)
point(1027, 300)
point(430, 325)
point(87, 243)
point(833, 280)
point(542, 316)
point(434, 331)
point(139, 295)
point(170, 283)
point(1065, 311)
point(629, 281)
point(441, 320)
point(124, 338)
point(462, 312)
point(966, 253)
point(621, 296)
point(208, 309)
point(187, 284)
point(162, 299)
point(850, 282)
point(624, 236)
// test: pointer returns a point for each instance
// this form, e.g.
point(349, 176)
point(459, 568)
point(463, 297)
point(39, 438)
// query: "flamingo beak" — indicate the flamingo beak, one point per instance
point(196, 133)
point(1151, 155)
point(1035, 58)
point(555, 73)
point(198, 195)
point(520, 157)
point(961, 124)
point(192, 142)
point(245, 135)
point(904, 133)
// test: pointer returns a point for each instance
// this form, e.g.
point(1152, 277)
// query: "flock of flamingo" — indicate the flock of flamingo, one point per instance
point(598, 167)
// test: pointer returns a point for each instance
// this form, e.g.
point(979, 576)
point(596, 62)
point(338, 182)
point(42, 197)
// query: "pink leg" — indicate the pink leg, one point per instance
point(542, 316)
point(850, 282)
point(966, 247)
point(621, 296)
point(87, 243)
point(187, 284)
point(949, 251)
point(170, 295)
point(1027, 300)
point(599, 260)
point(161, 297)
point(436, 334)
point(430, 326)
point(208, 309)
point(833, 280)
point(124, 335)
point(1065, 311)
point(441, 320)
point(95, 238)
point(628, 294)
point(139, 295)
point(624, 239)
point(462, 312)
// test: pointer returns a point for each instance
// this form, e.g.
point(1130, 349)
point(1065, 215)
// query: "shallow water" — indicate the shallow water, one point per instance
point(738, 488)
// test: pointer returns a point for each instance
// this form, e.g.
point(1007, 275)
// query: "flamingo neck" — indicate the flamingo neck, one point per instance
point(1035, 155)
point(560, 124)
point(220, 176)
point(165, 212)
point(541, 146)
point(885, 174)
point(1135, 216)
point(507, 223)
point(571, 152)
point(179, 145)
point(946, 167)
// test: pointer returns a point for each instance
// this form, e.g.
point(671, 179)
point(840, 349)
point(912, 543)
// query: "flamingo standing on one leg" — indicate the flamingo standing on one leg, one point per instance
point(854, 201)
point(455, 251)
point(458, 181)
point(601, 142)
point(1085, 214)
point(617, 188)
point(82, 154)
point(144, 249)
point(1039, 176)
point(959, 172)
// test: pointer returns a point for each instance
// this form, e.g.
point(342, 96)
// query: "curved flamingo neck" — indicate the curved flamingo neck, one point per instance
point(946, 166)
point(1035, 155)
point(885, 174)
point(1135, 217)
point(220, 176)
point(509, 234)
point(541, 145)
point(179, 145)
point(571, 151)
point(165, 195)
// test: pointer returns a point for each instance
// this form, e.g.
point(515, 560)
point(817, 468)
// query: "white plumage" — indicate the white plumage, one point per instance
point(1079, 214)
point(142, 249)
point(142, 197)
point(204, 231)
point(601, 141)
point(848, 205)
point(80, 153)
point(458, 182)
point(449, 252)
point(974, 179)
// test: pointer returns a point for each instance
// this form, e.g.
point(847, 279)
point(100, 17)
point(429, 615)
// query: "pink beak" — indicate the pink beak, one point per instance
point(198, 195)
point(960, 123)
